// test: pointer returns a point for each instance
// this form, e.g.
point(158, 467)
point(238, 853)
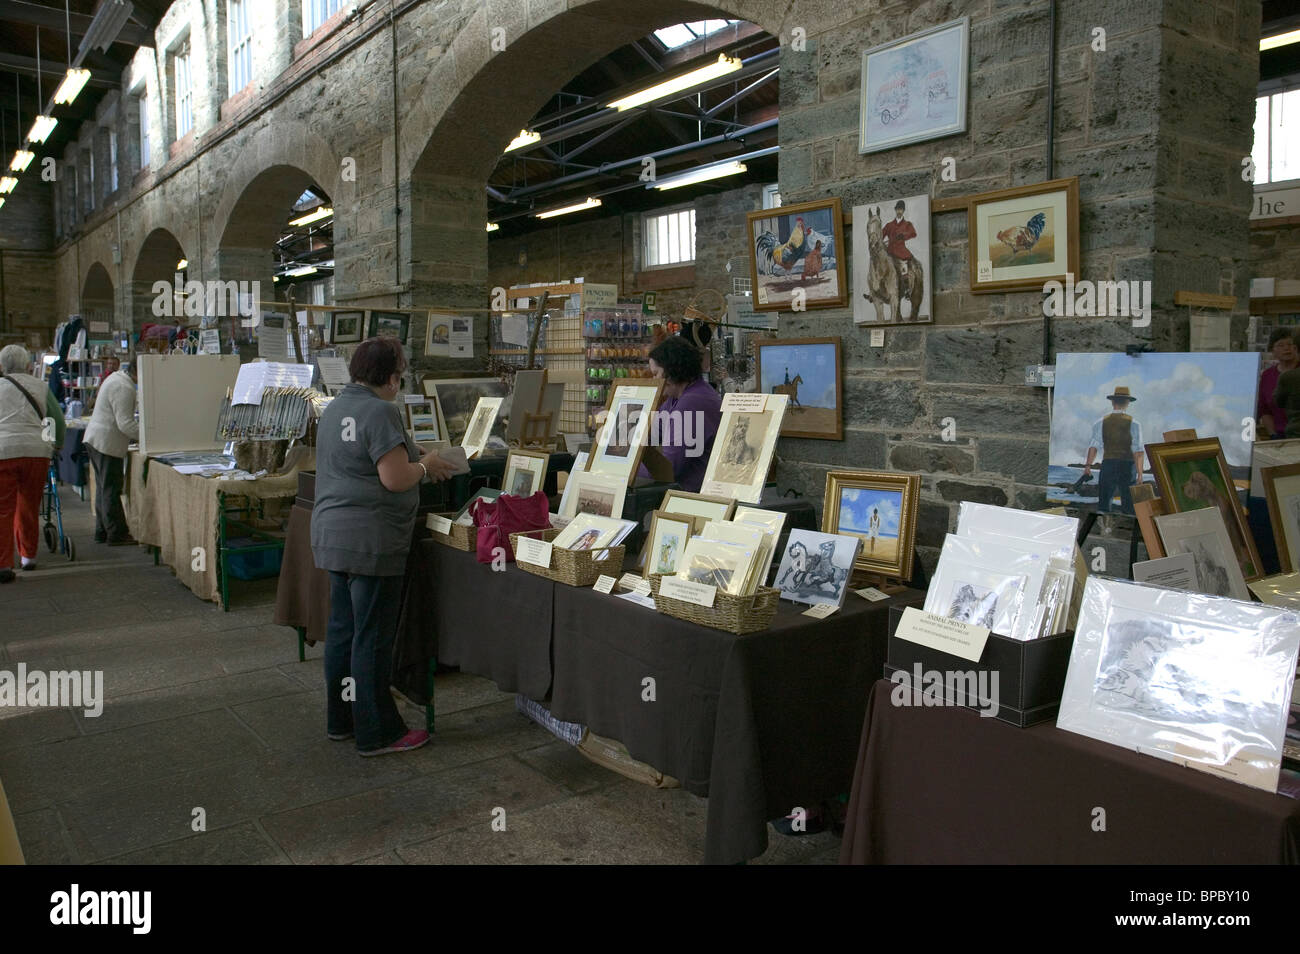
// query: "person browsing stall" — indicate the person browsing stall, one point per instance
point(26, 442)
point(111, 430)
point(1272, 416)
point(690, 411)
point(367, 493)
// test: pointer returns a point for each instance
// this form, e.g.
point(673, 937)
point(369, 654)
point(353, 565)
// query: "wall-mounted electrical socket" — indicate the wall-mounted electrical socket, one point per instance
point(1040, 375)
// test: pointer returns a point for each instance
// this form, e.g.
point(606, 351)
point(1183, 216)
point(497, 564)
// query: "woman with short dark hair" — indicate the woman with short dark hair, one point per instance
point(367, 475)
point(679, 365)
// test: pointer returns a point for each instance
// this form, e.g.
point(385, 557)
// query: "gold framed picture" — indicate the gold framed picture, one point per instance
point(879, 507)
point(1193, 475)
point(629, 412)
point(1282, 490)
point(698, 505)
point(666, 542)
point(1024, 237)
point(795, 256)
point(525, 472)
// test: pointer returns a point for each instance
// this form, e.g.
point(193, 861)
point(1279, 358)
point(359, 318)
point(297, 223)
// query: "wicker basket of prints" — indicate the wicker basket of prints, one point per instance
point(458, 537)
point(737, 615)
point(571, 567)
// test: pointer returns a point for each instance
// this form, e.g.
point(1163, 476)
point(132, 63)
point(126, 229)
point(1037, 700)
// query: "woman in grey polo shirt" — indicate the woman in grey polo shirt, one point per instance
point(367, 477)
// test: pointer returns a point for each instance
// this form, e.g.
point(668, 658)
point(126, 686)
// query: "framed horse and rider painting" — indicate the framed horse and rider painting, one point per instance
point(794, 256)
point(891, 262)
point(807, 371)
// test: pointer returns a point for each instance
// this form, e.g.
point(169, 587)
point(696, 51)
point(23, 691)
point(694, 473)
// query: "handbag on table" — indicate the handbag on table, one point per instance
point(507, 514)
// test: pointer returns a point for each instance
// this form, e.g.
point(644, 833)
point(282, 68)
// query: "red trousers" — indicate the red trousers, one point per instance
point(22, 484)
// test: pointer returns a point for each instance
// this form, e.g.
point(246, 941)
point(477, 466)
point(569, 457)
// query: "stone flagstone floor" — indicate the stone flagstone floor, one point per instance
point(212, 710)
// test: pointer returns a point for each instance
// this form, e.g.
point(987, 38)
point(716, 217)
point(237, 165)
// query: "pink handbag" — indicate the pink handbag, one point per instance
point(497, 519)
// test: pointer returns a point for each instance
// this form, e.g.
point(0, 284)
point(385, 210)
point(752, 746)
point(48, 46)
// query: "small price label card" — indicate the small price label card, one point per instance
point(439, 524)
point(821, 610)
point(744, 402)
point(604, 584)
point(687, 591)
point(631, 581)
point(640, 599)
point(872, 594)
point(877, 337)
point(536, 552)
point(985, 271)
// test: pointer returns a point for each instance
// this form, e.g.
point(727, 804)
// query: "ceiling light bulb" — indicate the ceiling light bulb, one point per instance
point(71, 86)
point(589, 204)
point(525, 138)
point(722, 67)
point(324, 212)
point(22, 159)
point(41, 128)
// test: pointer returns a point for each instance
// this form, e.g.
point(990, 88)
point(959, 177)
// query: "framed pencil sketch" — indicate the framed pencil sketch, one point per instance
point(1282, 490)
point(348, 327)
point(1024, 237)
point(880, 508)
point(914, 88)
point(629, 413)
point(480, 425)
point(1202, 534)
point(596, 494)
point(808, 371)
point(742, 450)
point(525, 472)
point(794, 256)
point(1193, 475)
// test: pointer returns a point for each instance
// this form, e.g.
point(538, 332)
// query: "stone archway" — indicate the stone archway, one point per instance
point(156, 261)
point(474, 101)
point(97, 295)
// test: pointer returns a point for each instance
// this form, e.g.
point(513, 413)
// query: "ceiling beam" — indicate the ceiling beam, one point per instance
point(26, 65)
point(19, 11)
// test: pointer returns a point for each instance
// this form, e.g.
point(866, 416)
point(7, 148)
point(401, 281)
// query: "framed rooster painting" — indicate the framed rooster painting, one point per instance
point(794, 256)
point(1024, 237)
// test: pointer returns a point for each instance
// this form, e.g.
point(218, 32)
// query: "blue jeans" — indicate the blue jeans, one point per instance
point(359, 643)
point(1116, 475)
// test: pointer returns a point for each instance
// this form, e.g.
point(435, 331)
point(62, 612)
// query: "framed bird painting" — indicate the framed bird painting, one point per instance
point(1024, 237)
point(794, 256)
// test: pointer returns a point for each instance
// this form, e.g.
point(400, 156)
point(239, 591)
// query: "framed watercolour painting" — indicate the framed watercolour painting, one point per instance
point(891, 261)
point(794, 256)
point(914, 89)
point(390, 324)
point(348, 327)
point(1194, 475)
point(880, 508)
point(669, 534)
point(1024, 237)
point(807, 370)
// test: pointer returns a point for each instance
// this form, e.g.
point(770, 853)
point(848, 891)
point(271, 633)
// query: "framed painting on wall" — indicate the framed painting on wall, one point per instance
point(794, 256)
point(1022, 238)
point(914, 88)
point(891, 262)
point(390, 324)
point(808, 371)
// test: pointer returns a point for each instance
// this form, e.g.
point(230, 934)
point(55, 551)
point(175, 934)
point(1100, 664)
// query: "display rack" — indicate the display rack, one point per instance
point(618, 348)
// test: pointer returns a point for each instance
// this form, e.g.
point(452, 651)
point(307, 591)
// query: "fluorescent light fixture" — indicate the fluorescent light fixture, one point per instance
point(183, 264)
point(324, 212)
point(299, 272)
point(525, 138)
point(1282, 39)
point(492, 226)
point(22, 159)
point(703, 174)
point(42, 128)
point(2, 202)
point(8, 184)
point(71, 86)
point(107, 24)
point(722, 67)
point(551, 213)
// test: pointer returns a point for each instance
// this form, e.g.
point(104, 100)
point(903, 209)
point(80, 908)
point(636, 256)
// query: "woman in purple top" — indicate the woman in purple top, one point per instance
point(1272, 418)
point(689, 413)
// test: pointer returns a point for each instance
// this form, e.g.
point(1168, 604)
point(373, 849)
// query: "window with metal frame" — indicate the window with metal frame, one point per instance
point(184, 91)
point(144, 129)
point(112, 161)
point(316, 12)
point(240, 44)
point(668, 238)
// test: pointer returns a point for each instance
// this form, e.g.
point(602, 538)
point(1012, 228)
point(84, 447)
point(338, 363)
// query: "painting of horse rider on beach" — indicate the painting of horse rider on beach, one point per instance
point(891, 262)
point(807, 370)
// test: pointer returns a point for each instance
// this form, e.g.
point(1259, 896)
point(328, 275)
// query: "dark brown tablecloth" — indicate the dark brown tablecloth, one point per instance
point(463, 613)
point(943, 785)
point(760, 724)
point(302, 597)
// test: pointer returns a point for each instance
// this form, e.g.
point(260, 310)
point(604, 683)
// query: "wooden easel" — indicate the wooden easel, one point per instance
point(886, 584)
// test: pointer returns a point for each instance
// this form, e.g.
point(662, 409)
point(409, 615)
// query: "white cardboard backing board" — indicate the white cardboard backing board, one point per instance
point(180, 400)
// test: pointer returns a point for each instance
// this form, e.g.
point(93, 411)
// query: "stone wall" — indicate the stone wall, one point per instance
point(1275, 251)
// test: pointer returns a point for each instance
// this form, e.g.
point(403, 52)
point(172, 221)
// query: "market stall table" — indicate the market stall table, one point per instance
point(942, 785)
point(760, 724)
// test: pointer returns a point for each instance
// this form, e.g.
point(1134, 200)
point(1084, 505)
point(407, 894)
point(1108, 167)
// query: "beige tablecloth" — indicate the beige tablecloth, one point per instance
point(180, 514)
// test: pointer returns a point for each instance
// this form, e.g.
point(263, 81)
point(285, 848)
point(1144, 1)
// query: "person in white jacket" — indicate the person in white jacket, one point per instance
point(31, 424)
point(112, 428)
